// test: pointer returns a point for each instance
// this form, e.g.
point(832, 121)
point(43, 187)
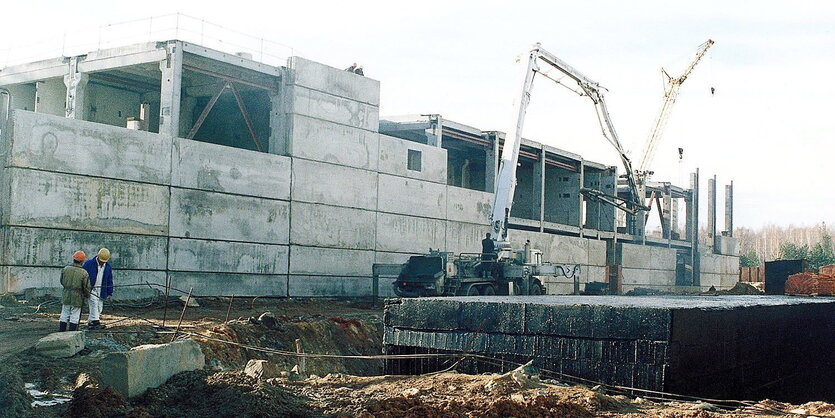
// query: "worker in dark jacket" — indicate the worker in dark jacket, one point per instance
point(488, 248)
point(101, 282)
point(76, 285)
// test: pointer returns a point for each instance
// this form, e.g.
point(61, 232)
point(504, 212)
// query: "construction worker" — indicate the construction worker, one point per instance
point(358, 70)
point(101, 282)
point(76, 285)
point(352, 68)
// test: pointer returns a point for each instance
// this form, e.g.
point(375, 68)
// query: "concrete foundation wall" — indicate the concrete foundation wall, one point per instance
point(719, 271)
point(647, 267)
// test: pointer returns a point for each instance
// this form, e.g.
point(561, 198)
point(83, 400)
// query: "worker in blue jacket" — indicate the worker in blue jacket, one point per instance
point(101, 282)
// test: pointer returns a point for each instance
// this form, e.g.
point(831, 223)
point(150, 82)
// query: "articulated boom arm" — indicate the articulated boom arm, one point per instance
point(506, 180)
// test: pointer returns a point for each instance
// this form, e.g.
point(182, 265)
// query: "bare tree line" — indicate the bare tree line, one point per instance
point(766, 241)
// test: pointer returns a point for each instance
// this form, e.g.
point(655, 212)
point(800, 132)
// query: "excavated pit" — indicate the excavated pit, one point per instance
point(728, 347)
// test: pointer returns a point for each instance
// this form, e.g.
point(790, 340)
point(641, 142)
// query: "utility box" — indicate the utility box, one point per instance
point(777, 272)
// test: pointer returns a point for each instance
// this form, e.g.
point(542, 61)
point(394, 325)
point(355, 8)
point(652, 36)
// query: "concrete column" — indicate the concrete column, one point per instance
point(170, 90)
point(693, 226)
point(711, 213)
point(435, 133)
point(539, 186)
point(729, 209)
point(666, 213)
point(491, 163)
point(76, 83)
point(282, 105)
point(674, 229)
point(580, 184)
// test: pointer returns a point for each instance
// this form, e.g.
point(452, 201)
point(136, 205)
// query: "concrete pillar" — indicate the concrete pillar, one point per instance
point(729, 209)
point(711, 213)
point(580, 184)
point(435, 133)
point(170, 90)
point(539, 187)
point(277, 143)
point(693, 226)
point(491, 163)
point(675, 231)
point(666, 213)
point(76, 83)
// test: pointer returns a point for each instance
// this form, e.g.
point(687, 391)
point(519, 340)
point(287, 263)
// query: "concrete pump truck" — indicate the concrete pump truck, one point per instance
point(510, 271)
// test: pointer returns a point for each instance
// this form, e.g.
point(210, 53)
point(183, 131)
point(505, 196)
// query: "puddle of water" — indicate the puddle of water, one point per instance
point(45, 398)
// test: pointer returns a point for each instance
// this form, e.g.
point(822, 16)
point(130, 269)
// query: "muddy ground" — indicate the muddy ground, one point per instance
point(329, 387)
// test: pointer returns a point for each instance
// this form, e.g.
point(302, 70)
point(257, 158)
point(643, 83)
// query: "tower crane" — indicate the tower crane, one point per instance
point(671, 90)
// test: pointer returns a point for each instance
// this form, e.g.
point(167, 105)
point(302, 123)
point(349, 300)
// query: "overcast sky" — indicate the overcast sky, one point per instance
point(768, 127)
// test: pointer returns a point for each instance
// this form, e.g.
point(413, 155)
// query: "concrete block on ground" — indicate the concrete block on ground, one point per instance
point(73, 146)
point(411, 197)
point(335, 109)
point(315, 139)
point(719, 264)
point(332, 226)
point(262, 369)
point(201, 214)
point(394, 157)
point(472, 206)
point(60, 344)
point(131, 373)
point(68, 201)
point(329, 286)
point(317, 182)
point(205, 166)
point(400, 233)
point(335, 81)
point(54, 247)
point(227, 257)
point(330, 261)
point(706, 280)
point(226, 284)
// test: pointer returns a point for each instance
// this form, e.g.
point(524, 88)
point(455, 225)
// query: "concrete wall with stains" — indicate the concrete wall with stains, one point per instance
point(310, 219)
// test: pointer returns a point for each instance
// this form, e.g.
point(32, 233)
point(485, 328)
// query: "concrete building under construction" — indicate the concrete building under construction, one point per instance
point(211, 170)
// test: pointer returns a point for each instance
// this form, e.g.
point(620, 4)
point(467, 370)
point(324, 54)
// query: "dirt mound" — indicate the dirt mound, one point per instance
point(14, 400)
point(223, 394)
point(92, 402)
point(540, 406)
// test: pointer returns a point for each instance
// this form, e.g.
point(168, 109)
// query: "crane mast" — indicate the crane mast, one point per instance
point(506, 180)
point(671, 90)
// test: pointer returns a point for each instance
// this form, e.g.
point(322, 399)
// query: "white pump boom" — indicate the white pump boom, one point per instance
point(506, 180)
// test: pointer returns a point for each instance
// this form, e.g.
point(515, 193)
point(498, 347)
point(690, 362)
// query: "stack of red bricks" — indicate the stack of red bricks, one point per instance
point(811, 283)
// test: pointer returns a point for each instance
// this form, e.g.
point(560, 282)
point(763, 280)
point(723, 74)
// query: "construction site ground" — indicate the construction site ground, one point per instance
point(328, 387)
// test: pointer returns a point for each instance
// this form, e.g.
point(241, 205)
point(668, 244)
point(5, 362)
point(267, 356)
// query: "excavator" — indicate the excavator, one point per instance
point(510, 271)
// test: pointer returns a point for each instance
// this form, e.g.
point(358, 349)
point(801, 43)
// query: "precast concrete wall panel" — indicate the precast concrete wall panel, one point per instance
point(597, 252)
point(411, 197)
point(558, 249)
point(648, 257)
point(47, 280)
point(465, 205)
point(720, 264)
point(648, 278)
point(317, 286)
point(64, 145)
point(330, 261)
point(227, 257)
point(394, 155)
point(200, 214)
point(54, 248)
point(205, 166)
point(409, 234)
point(315, 139)
point(227, 284)
point(332, 226)
point(317, 182)
point(67, 201)
point(335, 81)
point(335, 109)
point(464, 237)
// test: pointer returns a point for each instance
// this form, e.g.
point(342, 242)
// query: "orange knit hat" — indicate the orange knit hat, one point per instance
point(79, 256)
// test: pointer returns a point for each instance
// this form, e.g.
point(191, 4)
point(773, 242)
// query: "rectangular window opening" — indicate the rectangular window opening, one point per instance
point(413, 163)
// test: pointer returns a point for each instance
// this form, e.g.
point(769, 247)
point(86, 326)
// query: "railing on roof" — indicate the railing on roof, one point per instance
point(158, 28)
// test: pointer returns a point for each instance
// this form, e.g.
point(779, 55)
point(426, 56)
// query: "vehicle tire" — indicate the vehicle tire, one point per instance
point(473, 291)
point(536, 288)
point(488, 290)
